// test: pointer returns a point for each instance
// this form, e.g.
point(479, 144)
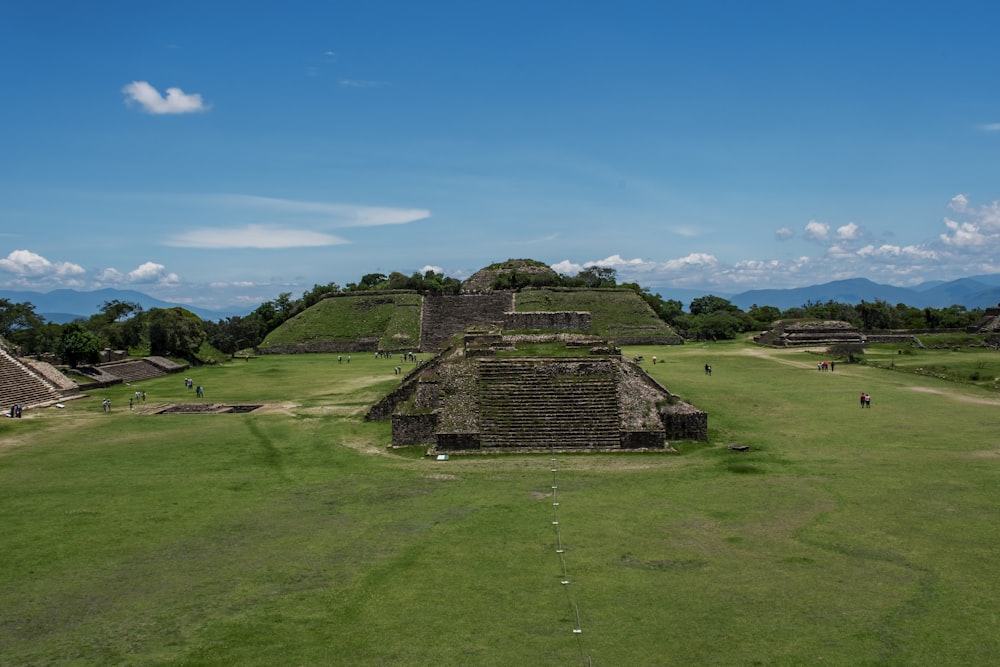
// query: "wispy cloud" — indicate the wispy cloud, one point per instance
point(358, 83)
point(151, 101)
point(252, 236)
point(340, 215)
point(990, 127)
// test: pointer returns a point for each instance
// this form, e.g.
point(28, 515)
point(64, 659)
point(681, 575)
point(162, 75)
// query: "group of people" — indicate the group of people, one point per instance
point(866, 400)
point(825, 366)
point(15, 411)
point(140, 397)
point(189, 383)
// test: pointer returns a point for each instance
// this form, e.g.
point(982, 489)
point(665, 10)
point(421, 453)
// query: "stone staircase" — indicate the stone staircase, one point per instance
point(537, 403)
point(131, 370)
point(444, 315)
point(19, 383)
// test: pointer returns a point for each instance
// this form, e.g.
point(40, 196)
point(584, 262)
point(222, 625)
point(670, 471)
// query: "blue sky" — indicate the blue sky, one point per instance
point(220, 153)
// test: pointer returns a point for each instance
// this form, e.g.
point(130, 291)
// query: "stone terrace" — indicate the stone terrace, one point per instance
point(132, 370)
point(19, 383)
point(798, 334)
point(534, 403)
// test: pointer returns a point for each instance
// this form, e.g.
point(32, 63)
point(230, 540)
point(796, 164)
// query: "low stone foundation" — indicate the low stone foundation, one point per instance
point(683, 421)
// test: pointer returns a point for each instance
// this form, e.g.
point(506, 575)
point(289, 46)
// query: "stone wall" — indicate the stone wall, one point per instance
point(682, 421)
point(458, 441)
point(444, 315)
point(642, 440)
point(362, 345)
point(415, 429)
point(548, 321)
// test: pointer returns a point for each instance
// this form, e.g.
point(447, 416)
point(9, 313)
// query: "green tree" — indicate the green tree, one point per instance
point(598, 276)
point(77, 345)
point(17, 316)
point(318, 292)
point(175, 332)
point(711, 304)
point(41, 339)
point(716, 325)
point(877, 315)
point(121, 324)
point(233, 334)
point(763, 316)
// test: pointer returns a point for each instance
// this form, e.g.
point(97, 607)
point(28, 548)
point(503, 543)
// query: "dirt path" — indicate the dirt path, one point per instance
point(956, 396)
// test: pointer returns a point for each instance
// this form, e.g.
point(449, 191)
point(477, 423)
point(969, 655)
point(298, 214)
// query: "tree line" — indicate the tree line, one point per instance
point(176, 332)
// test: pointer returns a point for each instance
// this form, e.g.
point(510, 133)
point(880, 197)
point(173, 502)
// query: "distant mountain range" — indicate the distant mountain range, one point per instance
point(65, 305)
point(974, 292)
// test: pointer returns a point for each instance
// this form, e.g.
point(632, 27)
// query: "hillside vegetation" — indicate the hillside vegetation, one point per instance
point(613, 312)
point(392, 319)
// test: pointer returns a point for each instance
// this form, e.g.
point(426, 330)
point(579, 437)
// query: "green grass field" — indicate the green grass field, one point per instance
point(291, 536)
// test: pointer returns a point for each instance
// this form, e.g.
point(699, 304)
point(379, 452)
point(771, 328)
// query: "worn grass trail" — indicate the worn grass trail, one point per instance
point(290, 536)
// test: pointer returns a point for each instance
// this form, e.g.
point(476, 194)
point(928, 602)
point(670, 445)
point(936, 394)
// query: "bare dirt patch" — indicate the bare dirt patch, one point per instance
point(955, 396)
point(985, 454)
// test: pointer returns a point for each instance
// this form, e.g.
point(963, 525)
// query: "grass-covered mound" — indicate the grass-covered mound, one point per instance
point(510, 273)
point(384, 321)
point(620, 314)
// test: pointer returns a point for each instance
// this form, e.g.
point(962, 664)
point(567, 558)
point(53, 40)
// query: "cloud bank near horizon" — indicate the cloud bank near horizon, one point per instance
point(968, 246)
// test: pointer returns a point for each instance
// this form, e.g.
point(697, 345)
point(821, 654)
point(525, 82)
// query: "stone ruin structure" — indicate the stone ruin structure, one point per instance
point(989, 323)
point(786, 333)
point(32, 383)
point(472, 398)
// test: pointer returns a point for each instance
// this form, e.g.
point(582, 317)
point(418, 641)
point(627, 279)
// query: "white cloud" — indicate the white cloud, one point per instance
point(616, 261)
point(253, 236)
point(990, 127)
point(146, 271)
point(963, 234)
point(784, 233)
point(980, 232)
point(151, 101)
point(111, 275)
point(566, 268)
point(889, 251)
point(24, 263)
point(959, 203)
point(694, 260)
point(429, 267)
point(849, 232)
point(344, 215)
point(817, 231)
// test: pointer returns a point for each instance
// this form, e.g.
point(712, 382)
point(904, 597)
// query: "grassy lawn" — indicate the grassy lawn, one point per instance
point(945, 357)
point(291, 536)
